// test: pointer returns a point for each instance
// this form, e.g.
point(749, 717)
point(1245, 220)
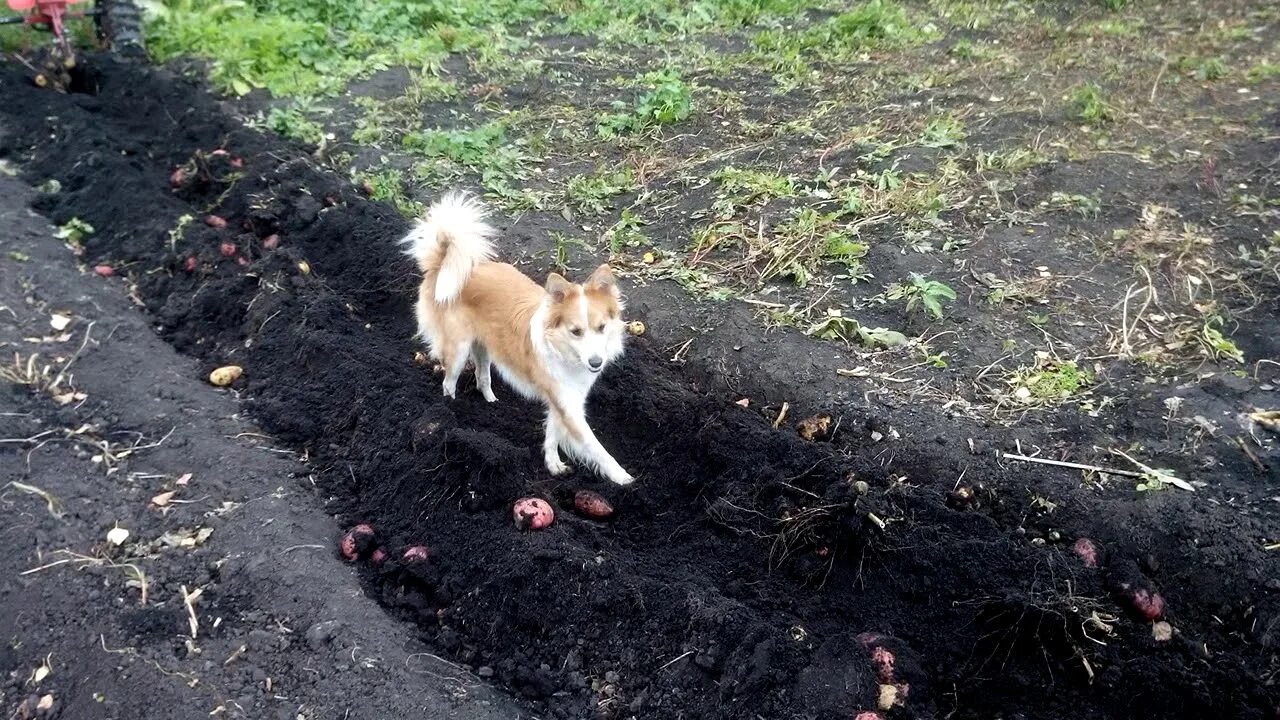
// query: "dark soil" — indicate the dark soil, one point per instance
point(740, 574)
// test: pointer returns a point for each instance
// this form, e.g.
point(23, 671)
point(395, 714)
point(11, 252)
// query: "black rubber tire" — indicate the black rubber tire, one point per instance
point(119, 25)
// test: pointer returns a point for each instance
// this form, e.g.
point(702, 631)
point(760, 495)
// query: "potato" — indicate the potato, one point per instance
point(178, 177)
point(226, 375)
point(416, 553)
point(227, 248)
point(882, 661)
point(533, 514)
point(592, 504)
point(217, 222)
point(351, 542)
point(1087, 550)
point(817, 427)
point(868, 715)
point(190, 264)
point(271, 242)
point(103, 270)
point(378, 557)
point(635, 327)
point(1147, 602)
point(888, 697)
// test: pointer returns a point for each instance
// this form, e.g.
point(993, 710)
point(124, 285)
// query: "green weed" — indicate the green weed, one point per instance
point(1048, 381)
point(922, 292)
point(667, 100)
point(1088, 104)
point(388, 186)
point(590, 194)
point(293, 123)
point(74, 231)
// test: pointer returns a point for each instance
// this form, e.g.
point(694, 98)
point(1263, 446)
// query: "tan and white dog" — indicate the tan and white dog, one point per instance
point(550, 343)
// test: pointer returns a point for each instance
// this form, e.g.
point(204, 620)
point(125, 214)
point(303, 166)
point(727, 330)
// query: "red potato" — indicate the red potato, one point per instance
point(216, 222)
point(237, 162)
point(103, 270)
point(1147, 602)
point(242, 261)
point(378, 557)
point(190, 264)
point(1087, 550)
point(882, 660)
point(217, 152)
point(228, 249)
point(533, 514)
point(177, 177)
point(868, 715)
point(592, 504)
point(271, 241)
point(416, 553)
point(351, 541)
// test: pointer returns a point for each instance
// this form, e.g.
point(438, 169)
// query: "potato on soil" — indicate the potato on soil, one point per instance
point(868, 715)
point(882, 660)
point(378, 557)
point(1088, 551)
point(216, 222)
point(190, 264)
point(225, 375)
point(271, 242)
point(1148, 603)
point(356, 542)
point(635, 327)
point(227, 249)
point(592, 504)
point(815, 428)
point(415, 553)
point(103, 270)
point(533, 514)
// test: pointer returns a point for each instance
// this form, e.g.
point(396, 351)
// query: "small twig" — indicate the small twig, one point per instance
point(675, 660)
point(782, 416)
point(1249, 454)
point(67, 365)
point(1077, 466)
point(1158, 474)
point(189, 600)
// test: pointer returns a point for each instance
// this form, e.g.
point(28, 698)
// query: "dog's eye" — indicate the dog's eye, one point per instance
point(576, 331)
point(600, 329)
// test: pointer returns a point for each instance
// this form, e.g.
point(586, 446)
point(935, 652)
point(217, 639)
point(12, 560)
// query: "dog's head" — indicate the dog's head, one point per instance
point(584, 322)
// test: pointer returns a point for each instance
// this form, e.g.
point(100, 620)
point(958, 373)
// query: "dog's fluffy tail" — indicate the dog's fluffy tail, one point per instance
point(449, 241)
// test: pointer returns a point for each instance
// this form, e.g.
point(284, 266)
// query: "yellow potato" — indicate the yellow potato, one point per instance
point(226, 375)
point(635, 327)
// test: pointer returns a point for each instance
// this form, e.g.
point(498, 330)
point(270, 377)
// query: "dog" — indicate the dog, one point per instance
point(550, 343)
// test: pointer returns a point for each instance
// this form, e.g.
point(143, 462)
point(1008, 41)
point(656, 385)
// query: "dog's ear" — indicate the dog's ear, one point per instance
point(602, 280)
point(557, 287)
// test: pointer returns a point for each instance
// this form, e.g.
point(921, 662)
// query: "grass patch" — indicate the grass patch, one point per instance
point(304, 47)
point(388, 186)
point(1088, 104)
point(1048, 381)
point(589, 194)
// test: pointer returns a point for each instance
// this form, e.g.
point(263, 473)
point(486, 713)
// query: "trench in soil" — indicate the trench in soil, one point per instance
point(738, 573)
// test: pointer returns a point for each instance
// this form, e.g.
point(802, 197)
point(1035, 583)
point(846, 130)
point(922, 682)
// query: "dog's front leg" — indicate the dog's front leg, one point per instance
point(583, 445)
point(551, 446)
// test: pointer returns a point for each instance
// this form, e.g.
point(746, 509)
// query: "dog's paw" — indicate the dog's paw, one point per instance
point(489, 396)
point(621, 478)
point(449, 392)
point(557, 467)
